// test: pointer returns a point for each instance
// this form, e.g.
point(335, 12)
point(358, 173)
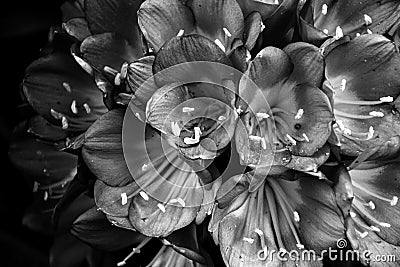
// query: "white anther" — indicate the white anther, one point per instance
point(144, 167)
point(124, 70)
point(352, 214)
point(325, 31)
point(343, 84)
point(296, 216)
point(367, 19)
point(262, 26)
point(377, 114)
point(339, 32)
point(73, 107)
point(374, 228)
point(386, 99)
point(137, 115)
point(248, 56)
point(300, 246)
point(178, 200)
point(364, 234)
point(175, 128)
point(64, 122)
point(221, 118)
point(85, 66)
point(121, 263)
point(161, 207)
point(371, 132)
point(276, 2)
point(45, 196)
point(291, 139)
point(227, 32)
point(124, 198)
point(346, 131)
point(259, 232)
point(181, 32)
point(340, 125)
point(306, 137)
point(117, 79)
point(67, 87)
point(324, 10)
point(144, 195)
point(371, 205)
point(358, 34)
point(383, 224)
point(262, 115)
point(56, 115)
point(187, 109)
point(394, 201)
point(239, 110)
point(87, 108)
point(249, 240)
point(369, 31)
point(299, 114)
point(220, 45)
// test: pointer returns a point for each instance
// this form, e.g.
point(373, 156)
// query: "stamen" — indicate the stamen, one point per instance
point(219, 43)
point(339, 32)
point(248, 56)
point(394, 201)
point(343, 84)
point(324, 9)
point(117, 79)
point(110, 70)
point(180, 33)
point(386, 99)
point(291, 139)
point(239, 110)
point(369, 31)
point(85, 66)
point(306, 137)
point(387, 225)
point(353, 116)
point(371, 205)
point(367, 19)
point(178, 200)
point(374, 228)
point(134, 251)
point(325, 31)
point(227, 32)
point(144, 195)
point(391, 201)
point(161, 207)
point(45, 196)
point(296, 216)
point(221, 118)
point(363, 234)
point(124, 198)
point(262, 115)
point(371, 132)
point(262, 26)
point(67, 87)
point(87, 108)
point(187, 109)
point(357, 35)
point(276, 2)
point(352, 214)
point(259, 232)
point(175, 128)
point(124, 70)
point(299, 114)
point(73, 107)
point(64, 123)
point(377, 114)
point(144, 167)
point(249, 240)
point(56, 115)
point(274, 214)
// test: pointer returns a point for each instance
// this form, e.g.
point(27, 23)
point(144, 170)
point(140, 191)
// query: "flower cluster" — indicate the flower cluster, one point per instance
point(253, 125)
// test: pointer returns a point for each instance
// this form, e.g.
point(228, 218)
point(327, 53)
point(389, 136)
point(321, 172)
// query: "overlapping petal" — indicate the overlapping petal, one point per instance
point(364, 76)
point(281, 214)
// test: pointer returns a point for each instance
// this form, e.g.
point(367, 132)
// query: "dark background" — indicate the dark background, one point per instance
point(24, 28)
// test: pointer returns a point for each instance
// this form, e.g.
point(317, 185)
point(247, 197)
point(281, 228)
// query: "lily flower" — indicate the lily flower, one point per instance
point(363, 76)
point(288, 212)
point(286, 117)
point(321, 19)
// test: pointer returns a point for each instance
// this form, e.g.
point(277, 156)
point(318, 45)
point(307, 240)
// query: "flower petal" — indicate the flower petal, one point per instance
point(138, 79)
point(350, 17)
point(252, 29)
point(102, 150)
point(60, 91)
point(308, 63)
point(93, 228)
point(108, 49)
point(77, 27)
point(366, 69)
point(43, 129)
point(213, 16)
point(265, 8)
point(162, 20)
point(118, 16)
point(377, 190)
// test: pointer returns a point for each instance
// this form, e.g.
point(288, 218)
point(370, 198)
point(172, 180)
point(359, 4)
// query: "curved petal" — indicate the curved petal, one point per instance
point(253, 26)
point(138, 79)
point(265, 8)
point(43, 129)
point(308, 63)
point(366, 70)
point(279, 215)
point(377, 189)
point(77, 27)
point(351, 17)
point(162, 20)
point(118, 16)
point(107, 49)
point(219, 20)
point(102, 150)
point(40, 160)
point(60, 91)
